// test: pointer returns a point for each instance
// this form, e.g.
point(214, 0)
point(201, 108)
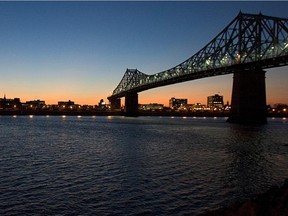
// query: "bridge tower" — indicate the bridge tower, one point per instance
point(131, 104)
point(248, 97)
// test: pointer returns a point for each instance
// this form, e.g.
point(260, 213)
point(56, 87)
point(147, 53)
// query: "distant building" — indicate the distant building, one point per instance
point(280, 108)
point(34, 105)
point(215, 101)
point(102, 105)
point(86, 107)
point(175, 103)
point(53, 107)
point(151, 107)
point(198, 107)
point(10, 104)
point(68, 105)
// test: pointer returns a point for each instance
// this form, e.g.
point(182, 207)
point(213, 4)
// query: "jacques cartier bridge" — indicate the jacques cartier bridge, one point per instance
point(249, 44)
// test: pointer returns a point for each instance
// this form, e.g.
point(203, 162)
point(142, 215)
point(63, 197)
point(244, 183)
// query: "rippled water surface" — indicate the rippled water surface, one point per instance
point(135, 166)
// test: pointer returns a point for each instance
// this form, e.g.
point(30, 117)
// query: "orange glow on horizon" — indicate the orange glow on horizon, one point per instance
point(195, 91)
point(152, 96)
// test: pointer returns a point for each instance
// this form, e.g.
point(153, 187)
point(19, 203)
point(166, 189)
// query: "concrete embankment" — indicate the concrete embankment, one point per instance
point(273, 202)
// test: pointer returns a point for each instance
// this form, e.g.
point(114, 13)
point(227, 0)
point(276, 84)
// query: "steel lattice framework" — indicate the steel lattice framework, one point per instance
point(249, 41)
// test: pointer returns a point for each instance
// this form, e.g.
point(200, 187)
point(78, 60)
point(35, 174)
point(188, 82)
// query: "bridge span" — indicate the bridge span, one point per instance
point(247, 46)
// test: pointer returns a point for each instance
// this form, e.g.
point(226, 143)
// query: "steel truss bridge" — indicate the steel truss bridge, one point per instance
point(250, 42)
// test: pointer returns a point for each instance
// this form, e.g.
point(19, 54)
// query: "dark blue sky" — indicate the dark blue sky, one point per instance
point(80, 50)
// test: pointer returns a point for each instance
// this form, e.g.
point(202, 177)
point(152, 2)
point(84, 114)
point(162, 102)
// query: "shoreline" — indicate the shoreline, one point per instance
point(121, 113)
point(272, 202)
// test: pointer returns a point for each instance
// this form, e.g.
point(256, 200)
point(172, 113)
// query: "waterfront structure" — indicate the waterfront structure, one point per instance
point(215, 101)
point(86, 107)
point(34, 105)
point(176, 103)
point(246, 46)
point(68, 105)
point(198, 107)
point(151, 107)
point(10, 104)
point(102, 105)
point(280, 108)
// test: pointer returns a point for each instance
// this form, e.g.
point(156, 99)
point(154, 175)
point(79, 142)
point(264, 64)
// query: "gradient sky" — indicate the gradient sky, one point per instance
point(80, 50)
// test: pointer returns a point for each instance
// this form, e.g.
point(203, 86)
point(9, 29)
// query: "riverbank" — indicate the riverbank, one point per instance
point(273, 202)
point(121, 113)
point(59, 113)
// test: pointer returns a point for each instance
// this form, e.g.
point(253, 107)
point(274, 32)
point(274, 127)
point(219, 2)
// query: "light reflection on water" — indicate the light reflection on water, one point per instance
point(128, 166)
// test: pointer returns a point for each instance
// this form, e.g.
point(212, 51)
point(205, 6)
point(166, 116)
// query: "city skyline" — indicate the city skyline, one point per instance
point(57, 51)
point(5, 98)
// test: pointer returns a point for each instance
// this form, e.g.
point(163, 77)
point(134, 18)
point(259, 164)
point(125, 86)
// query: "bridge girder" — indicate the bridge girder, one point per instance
point(247, 42)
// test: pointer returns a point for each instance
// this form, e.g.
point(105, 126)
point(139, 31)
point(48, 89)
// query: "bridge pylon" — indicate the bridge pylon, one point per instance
point(131, 104)
point(248, 97)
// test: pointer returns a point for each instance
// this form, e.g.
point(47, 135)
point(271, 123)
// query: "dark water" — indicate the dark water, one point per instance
point(135, 166)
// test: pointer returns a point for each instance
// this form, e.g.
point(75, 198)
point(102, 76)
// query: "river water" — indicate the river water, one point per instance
point(57, 165)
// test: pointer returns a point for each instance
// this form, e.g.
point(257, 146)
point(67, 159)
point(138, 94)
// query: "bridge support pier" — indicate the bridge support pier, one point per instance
point(131, 104)
point(248, 104)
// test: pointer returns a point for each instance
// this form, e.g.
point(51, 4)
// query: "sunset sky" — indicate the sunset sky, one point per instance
point(57, 51)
